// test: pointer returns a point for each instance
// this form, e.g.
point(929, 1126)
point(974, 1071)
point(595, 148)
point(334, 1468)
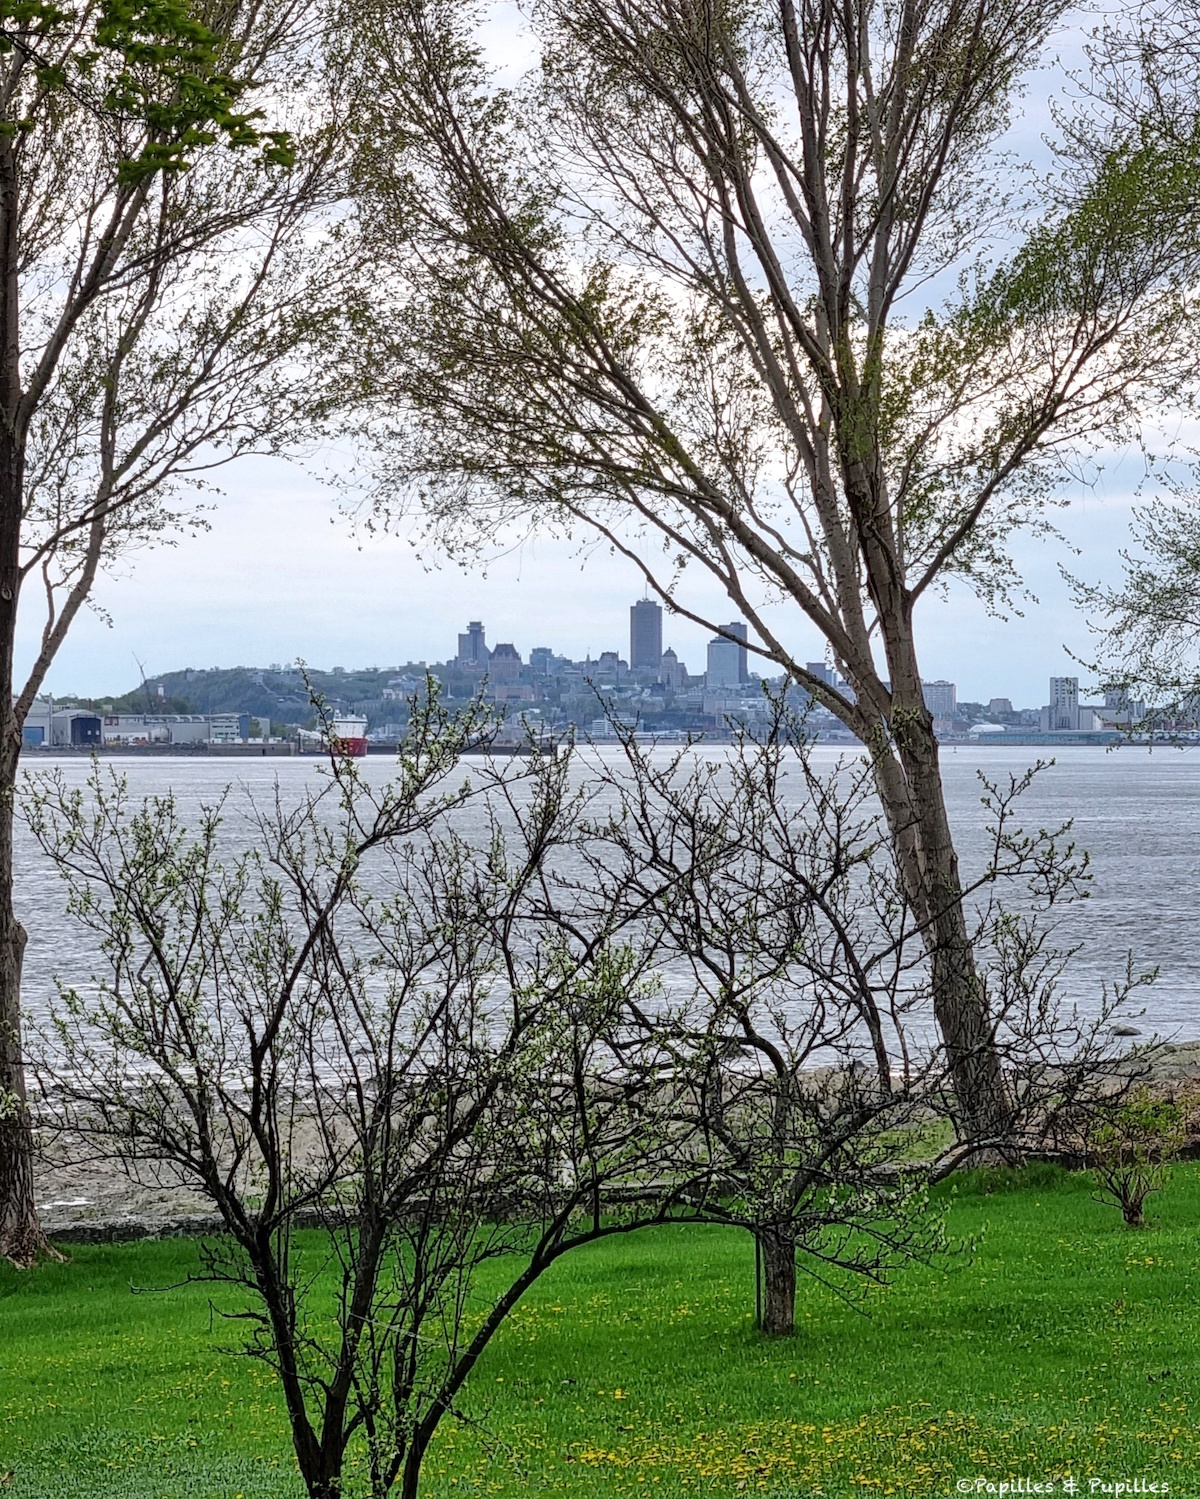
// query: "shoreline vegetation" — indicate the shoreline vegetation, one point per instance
point(1053, 1342)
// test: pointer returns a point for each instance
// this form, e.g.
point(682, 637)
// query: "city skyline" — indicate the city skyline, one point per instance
point(251, 591)
point(721, 662)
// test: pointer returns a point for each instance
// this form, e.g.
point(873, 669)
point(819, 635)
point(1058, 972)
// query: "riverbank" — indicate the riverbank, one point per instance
point(83, 1198)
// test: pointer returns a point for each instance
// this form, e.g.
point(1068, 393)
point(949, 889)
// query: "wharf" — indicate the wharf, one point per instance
point(500, 751)
point(33, 752)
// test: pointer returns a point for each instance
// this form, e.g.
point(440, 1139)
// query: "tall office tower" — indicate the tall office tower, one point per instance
point(722, 663)
point(645, 636)
point(727, 658)
point(941, 698)
point(736, 627)
point(472, 648)
point(822, 672)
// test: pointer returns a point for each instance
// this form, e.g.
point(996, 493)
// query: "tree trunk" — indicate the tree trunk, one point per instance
point(320, 1467)
point(779, 1281)
point(21, 1238)
point(959, 1004)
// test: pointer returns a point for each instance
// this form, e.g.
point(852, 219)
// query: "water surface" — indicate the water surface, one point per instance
point(1136, 812)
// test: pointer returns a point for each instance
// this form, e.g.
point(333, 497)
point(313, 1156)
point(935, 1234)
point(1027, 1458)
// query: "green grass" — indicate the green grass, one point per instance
point(1061, 1344)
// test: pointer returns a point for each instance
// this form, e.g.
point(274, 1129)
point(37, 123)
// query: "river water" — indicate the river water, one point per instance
point(1137, 813)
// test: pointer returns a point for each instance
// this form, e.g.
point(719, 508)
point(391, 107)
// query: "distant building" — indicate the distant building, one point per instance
point(541, 659)
point(170, 728)
point(645, 636)
point(472, 648)
point(1122, 710)
point(1062, 712)
point(610, 726)
point(504, 665)
point(608, 669)
point(1064, 699)
point(722, 664)
point(941, 698)
point(402, 687)
point(1000, 707)
point(228, 728)
point(727, 664)
point(671, 671)
point(822, 672)
point(1065, 713)
point(47, 725)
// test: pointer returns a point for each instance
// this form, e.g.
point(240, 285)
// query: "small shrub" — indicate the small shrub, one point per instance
point(1131, 1146)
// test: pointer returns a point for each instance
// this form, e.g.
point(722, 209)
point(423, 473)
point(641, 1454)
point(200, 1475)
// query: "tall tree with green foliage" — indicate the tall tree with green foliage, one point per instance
point(664, 289)
point(1148, 625)
point(159, 171)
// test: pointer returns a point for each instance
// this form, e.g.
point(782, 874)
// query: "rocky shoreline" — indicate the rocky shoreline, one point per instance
point(94, 1201)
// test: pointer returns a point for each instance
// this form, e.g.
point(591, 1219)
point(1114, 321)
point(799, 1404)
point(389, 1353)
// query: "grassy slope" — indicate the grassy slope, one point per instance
point(1064, 1344)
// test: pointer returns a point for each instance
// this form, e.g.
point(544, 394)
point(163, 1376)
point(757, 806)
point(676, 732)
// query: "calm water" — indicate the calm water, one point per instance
point(1137, 814)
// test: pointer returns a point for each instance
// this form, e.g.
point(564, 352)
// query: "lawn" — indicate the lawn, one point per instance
point(1059, 1344)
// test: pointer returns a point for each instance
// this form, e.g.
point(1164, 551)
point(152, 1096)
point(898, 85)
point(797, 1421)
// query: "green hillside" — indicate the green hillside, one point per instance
point(277, 693)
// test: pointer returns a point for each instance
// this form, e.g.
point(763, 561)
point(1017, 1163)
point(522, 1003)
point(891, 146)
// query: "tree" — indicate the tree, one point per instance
point(660, 287)
point(374, 1027)
point(794, 994)
point(788, 957)
point(1148, 626)
point(156, 285)
point(1131, 1145)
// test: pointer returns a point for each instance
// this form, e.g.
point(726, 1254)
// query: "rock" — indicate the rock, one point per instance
point(133, 1226)
point(1124, 1030)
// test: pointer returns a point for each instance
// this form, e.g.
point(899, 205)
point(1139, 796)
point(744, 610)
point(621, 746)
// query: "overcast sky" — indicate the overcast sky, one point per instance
point(281, 576)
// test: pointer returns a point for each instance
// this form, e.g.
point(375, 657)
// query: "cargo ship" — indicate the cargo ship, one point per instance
point(348, 736)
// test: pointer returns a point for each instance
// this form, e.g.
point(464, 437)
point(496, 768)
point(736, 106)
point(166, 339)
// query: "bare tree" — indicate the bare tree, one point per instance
point(659, 287)
point(795, 995)
point(157, 282)
point(370, 1026)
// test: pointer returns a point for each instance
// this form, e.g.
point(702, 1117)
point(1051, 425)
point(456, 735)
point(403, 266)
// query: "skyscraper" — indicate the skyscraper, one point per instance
point(472, 648)
point(645, 636)
point(727, 665)
point(722, 663)
point(736, 627)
